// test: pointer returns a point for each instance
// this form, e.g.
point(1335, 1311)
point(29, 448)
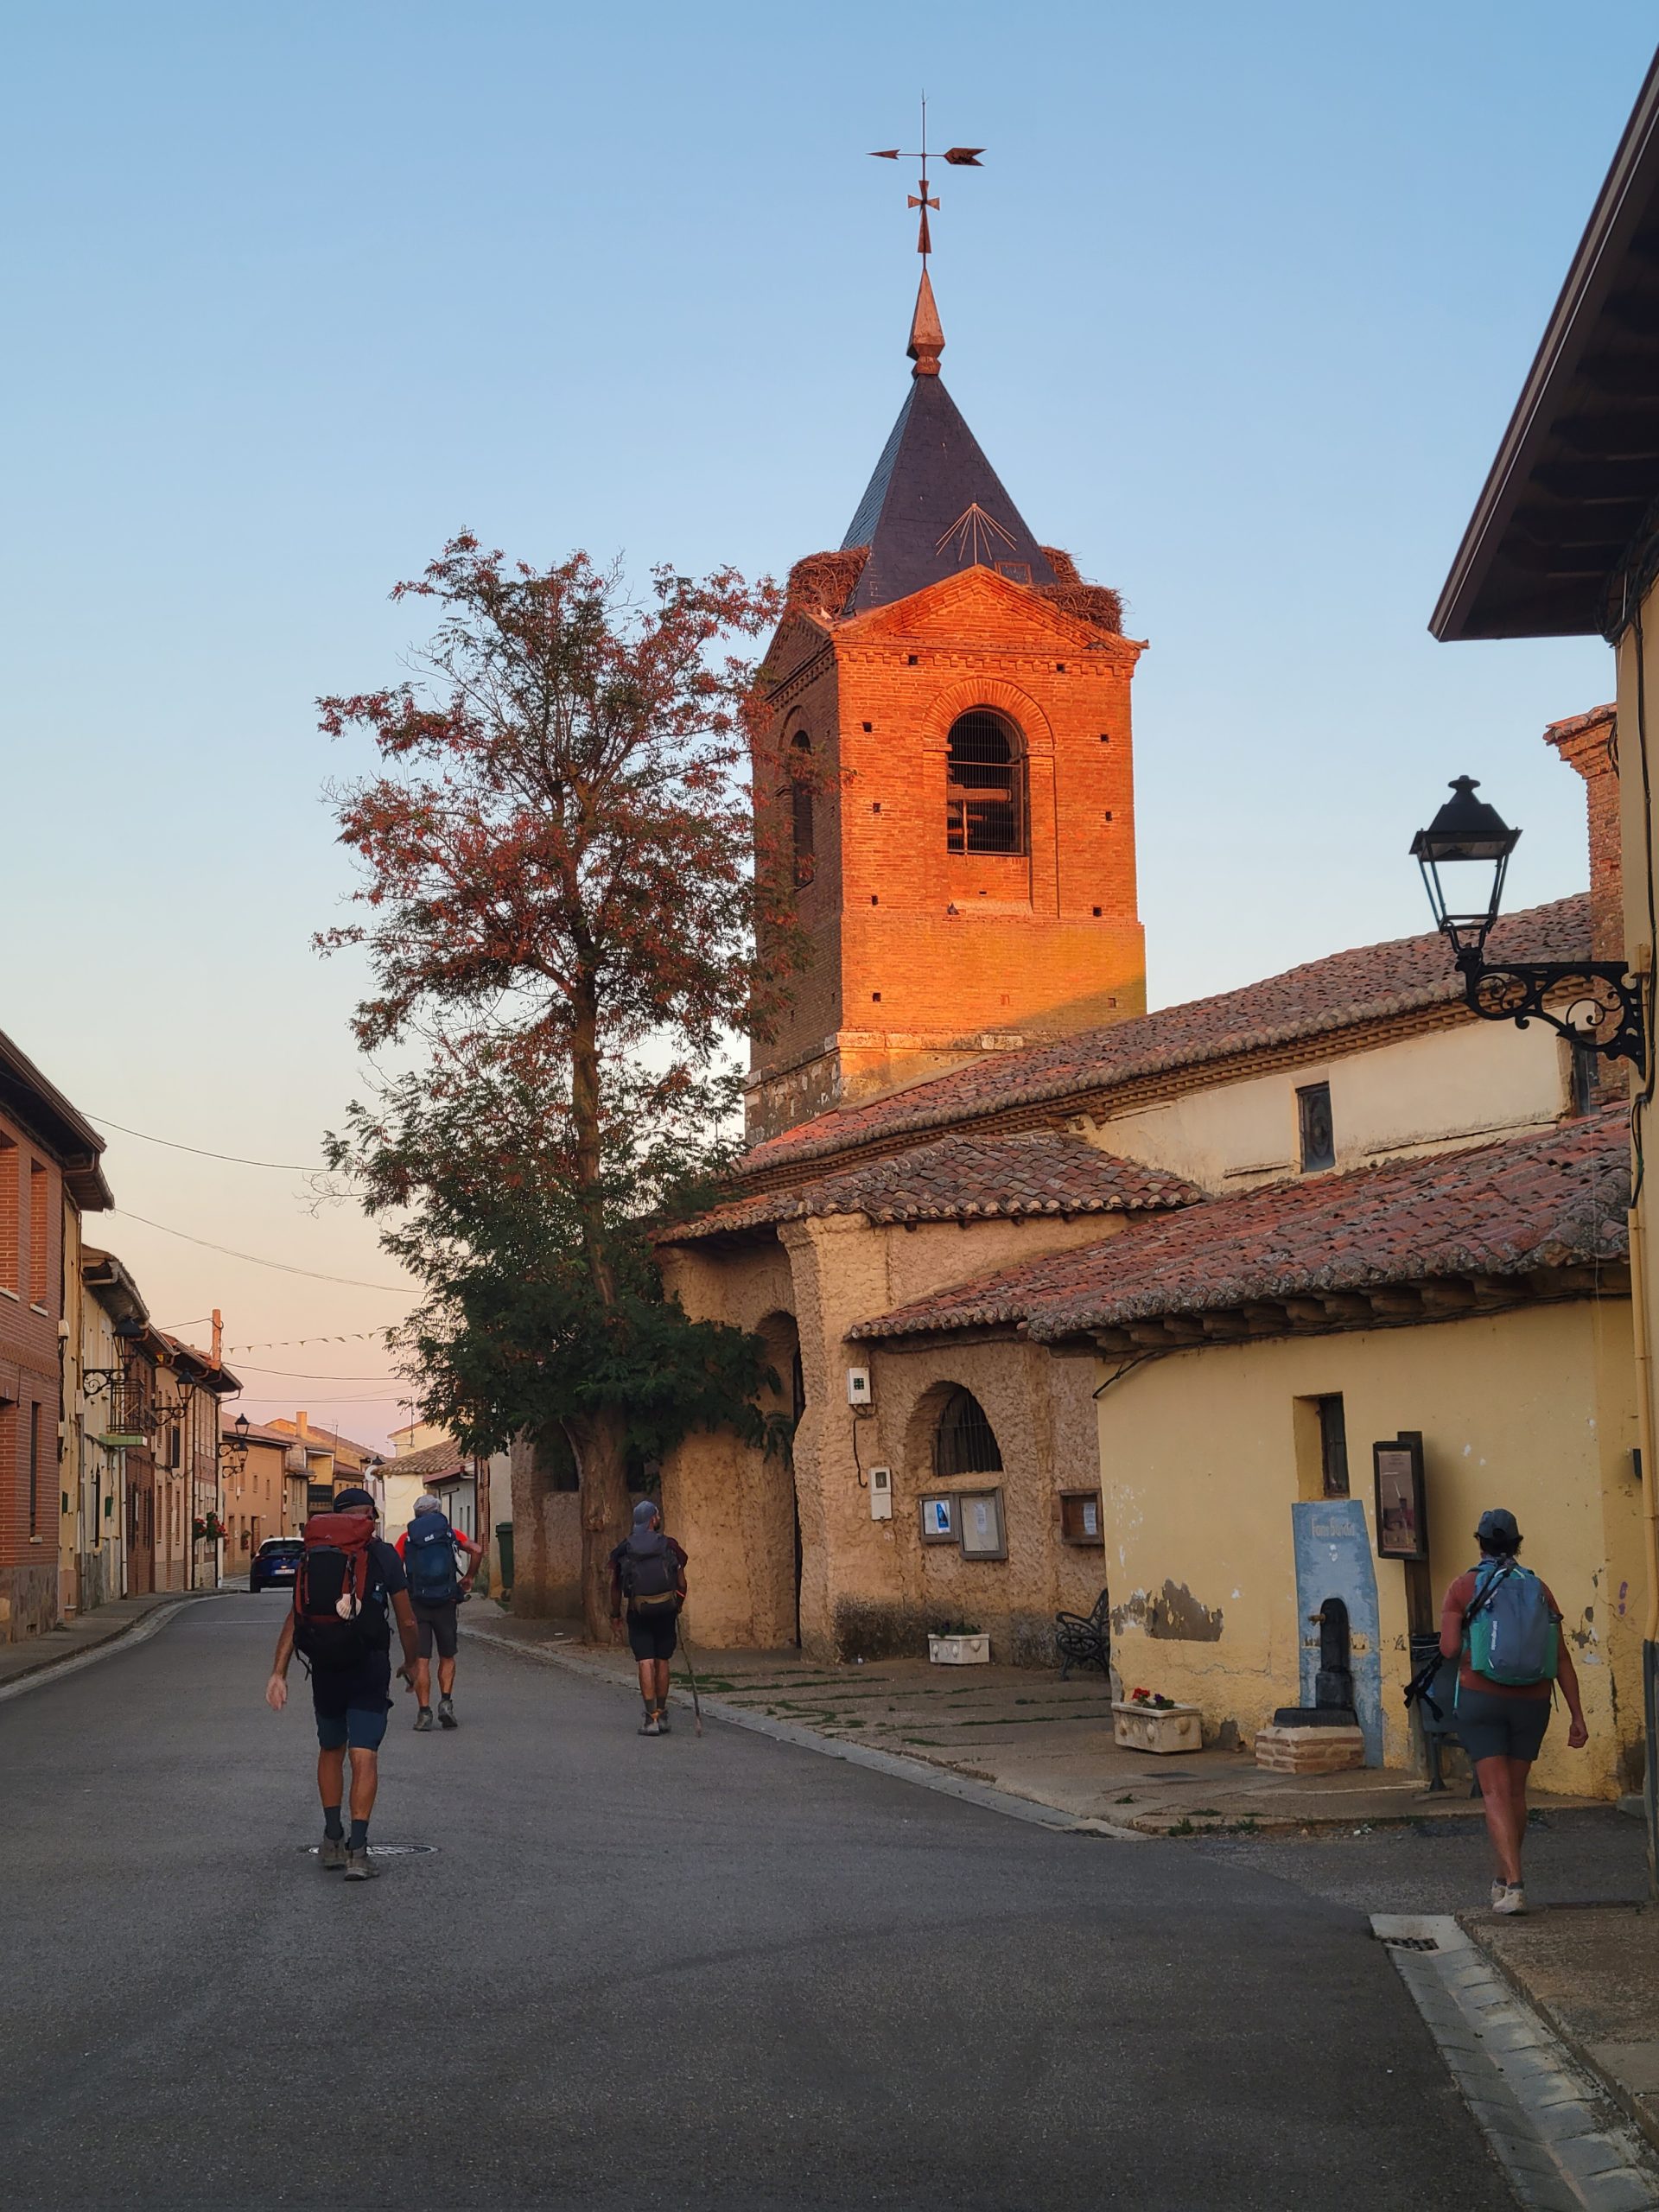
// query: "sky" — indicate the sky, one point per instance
point(1238, 307)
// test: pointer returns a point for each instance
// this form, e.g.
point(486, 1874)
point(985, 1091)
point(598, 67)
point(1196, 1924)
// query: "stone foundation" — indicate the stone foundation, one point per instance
point(29, 1600)
point(1309, 1750)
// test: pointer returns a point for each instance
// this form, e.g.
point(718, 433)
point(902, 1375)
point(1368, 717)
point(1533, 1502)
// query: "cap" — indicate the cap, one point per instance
point(1499, 1526)
point(646, 1511)
point(427, 1503)
point(344, 1499)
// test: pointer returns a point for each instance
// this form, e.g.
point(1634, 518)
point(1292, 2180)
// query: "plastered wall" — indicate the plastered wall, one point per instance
point(1200, 1465)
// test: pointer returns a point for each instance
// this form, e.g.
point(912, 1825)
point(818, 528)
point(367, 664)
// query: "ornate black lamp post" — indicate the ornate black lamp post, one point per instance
point(1465, 856)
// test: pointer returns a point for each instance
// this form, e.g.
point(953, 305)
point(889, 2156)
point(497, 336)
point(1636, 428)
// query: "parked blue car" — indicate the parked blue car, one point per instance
point(274, 1564)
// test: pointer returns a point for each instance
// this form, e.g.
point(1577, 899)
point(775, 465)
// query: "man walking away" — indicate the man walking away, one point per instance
point(1503, 1625)
point(436, 1587)
point(648, 1571)
point(339, 1624)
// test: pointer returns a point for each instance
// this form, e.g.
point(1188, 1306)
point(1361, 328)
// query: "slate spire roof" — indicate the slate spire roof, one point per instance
point(935, 505)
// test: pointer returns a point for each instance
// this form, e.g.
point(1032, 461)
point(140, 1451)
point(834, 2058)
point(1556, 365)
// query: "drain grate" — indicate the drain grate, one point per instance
point(1406, 1943)
point(381, 1850)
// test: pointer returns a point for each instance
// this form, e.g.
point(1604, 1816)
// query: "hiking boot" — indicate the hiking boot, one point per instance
point(360, 1868)
point(1514, 1898)
point(650, 1726)
point(331, 1853)
point(423, 1719)
point(662, 1728)
point(447, 1712)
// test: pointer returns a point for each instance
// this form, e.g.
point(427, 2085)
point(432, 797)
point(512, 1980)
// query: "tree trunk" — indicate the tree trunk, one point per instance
point(600, 1441)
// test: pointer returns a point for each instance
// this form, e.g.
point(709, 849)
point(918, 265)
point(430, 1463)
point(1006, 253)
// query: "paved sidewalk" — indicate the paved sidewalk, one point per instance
point(1024, 1733)
point(1592, 1971)
point(87, 1632)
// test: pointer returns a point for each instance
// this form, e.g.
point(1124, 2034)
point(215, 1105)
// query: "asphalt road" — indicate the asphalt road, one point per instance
point(725, 1974)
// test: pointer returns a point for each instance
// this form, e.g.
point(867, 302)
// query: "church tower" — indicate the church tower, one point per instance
point(949, 760)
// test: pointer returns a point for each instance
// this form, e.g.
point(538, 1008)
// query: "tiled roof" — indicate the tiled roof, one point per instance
point(327, 1439)
point(1554, 1198)
point(436, 1461)
point(959, 1179)
point(1345, 991)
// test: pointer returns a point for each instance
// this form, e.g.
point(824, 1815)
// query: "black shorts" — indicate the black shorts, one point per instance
point(436, 1625)
point(1500, 1727)
point(352, 1703)
point(654, 1635)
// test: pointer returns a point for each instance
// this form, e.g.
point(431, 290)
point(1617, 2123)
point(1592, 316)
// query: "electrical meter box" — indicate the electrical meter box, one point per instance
point(858, 1386)
point(880, 1493)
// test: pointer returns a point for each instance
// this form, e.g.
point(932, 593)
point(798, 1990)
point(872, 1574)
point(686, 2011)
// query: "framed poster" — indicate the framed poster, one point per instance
point(1080, 1517)
point(939, 1519)
point(982, 1533)
point(1402, 1512)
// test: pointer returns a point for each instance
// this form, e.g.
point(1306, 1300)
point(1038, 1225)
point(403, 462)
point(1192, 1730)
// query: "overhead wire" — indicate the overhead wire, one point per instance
point(282, 1267)
point(231, 1158)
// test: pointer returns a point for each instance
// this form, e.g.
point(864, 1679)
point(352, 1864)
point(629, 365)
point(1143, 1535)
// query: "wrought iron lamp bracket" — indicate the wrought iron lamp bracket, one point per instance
point(1604, 1015)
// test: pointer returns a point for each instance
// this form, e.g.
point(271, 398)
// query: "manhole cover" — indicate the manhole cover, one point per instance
point(1394, 1942)
point(381, 1850)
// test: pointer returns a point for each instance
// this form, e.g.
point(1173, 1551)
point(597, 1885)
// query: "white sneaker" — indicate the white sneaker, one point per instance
point(1513, 1899)
point(1499, 1889)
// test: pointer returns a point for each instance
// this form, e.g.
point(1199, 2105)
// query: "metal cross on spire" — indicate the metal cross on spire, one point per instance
point(961, 157)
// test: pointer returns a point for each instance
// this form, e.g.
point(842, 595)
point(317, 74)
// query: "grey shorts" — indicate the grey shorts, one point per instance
point(1500, 1727)
point(436, 1625)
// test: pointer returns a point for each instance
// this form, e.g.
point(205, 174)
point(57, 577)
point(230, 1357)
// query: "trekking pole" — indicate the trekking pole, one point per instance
point(685, 1653)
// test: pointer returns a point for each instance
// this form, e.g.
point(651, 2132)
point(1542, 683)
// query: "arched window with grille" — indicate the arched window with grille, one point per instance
point(800, 792)
point(984, 799)
point(964, 1443)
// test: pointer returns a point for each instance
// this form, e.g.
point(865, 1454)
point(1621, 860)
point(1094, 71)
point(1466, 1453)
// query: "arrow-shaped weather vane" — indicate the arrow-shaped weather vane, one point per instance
point(961, 157)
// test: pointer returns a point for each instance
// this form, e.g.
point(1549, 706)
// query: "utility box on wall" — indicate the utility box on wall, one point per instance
point(880, 1493)
point(858, 1386)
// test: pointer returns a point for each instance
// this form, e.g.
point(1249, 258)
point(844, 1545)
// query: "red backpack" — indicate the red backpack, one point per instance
point(332, 1626)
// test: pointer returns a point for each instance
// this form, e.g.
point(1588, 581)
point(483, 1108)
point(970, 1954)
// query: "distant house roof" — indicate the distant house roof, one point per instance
point(329, 1438)
point(214, 1377)
point(110, 1284)
point(1346, 991)
point(59, 1129)
point(433, 1465)
point(1578, 468)
point(254, 1433)
point(959, 1179)
point(1553, 1199)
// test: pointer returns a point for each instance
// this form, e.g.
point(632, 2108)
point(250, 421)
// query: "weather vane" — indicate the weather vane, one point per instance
point(961, 157)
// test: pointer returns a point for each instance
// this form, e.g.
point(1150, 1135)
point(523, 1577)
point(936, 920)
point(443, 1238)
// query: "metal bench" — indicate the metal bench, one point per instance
point(1086, 1643)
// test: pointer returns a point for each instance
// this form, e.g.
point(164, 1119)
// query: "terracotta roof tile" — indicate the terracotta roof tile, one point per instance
point(436, 1460)
point(1555, 1198)
point(1036, 1171)
point(1341, 992)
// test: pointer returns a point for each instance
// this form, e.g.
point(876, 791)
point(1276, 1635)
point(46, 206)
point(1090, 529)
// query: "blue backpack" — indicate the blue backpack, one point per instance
point(429, 1560)
point(1512, 1637)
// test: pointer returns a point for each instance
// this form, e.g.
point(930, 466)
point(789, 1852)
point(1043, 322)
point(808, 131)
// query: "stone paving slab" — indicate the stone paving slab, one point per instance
point(1561, 2139)
point(1026, 1733)
point(86, 1633)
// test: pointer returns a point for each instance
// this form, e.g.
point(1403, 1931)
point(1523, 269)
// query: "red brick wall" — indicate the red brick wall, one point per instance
point(1589, 742)
point(30, 1301)
point(925, 957)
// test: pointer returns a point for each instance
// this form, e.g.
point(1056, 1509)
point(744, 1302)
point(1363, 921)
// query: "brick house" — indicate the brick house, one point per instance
point(49, 1176)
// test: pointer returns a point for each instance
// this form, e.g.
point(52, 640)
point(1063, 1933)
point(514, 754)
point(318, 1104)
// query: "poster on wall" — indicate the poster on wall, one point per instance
point(1401, 1518)
point(938, 1519)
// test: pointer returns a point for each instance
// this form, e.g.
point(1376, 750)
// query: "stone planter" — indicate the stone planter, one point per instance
point(960, 1650)
point(1309, 1750)
point(1160, 1728)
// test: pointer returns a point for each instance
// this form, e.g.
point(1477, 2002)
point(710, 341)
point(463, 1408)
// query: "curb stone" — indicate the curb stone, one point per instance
point(1550, 2125)
point(119, 1639)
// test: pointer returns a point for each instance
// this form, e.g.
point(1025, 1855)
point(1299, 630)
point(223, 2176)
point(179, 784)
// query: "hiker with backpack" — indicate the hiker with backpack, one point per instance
point(436, 1587)
point(341, 1626)
point(1502, 1625)
point(648, 1571)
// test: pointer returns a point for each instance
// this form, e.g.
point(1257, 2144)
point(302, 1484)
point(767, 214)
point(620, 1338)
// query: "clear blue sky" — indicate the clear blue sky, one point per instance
point(1238, 307)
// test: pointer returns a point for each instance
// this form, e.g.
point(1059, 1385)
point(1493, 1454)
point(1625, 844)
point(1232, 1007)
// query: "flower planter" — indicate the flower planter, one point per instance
point(960, 1650)
point(1160, 1728)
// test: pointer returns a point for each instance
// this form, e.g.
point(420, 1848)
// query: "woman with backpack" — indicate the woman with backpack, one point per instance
point(1504, 1626)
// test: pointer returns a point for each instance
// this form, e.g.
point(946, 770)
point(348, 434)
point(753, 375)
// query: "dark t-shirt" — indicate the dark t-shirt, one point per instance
point(676, 1551)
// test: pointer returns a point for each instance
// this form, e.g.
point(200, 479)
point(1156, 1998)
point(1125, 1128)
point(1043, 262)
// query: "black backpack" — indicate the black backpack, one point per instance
point(651, 1573)
point(429, 1560)
point(336, 1621)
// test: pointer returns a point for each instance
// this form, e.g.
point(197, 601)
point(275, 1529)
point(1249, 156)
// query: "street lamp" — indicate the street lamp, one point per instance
point(1465, 854)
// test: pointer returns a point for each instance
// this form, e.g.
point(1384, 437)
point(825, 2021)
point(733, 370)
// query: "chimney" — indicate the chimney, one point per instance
point(218, 1338)
point(1590, 744)
point(300, 1425)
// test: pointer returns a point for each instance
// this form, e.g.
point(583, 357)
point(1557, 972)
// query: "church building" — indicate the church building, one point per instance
point(1074, 1306)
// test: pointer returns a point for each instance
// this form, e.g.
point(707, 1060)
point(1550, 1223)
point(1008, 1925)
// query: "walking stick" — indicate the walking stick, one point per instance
point(685, 1653)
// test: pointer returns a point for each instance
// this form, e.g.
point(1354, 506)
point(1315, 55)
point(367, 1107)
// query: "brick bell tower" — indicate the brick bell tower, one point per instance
point(951, 761)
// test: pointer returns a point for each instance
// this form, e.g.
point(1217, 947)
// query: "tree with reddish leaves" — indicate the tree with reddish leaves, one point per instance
point(560, 902)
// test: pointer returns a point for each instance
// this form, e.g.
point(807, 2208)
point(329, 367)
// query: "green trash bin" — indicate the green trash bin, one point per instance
point(504, 1545)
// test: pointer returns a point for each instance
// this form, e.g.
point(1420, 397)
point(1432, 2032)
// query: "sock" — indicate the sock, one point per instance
point(331, 1826)
point(360, 1836)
